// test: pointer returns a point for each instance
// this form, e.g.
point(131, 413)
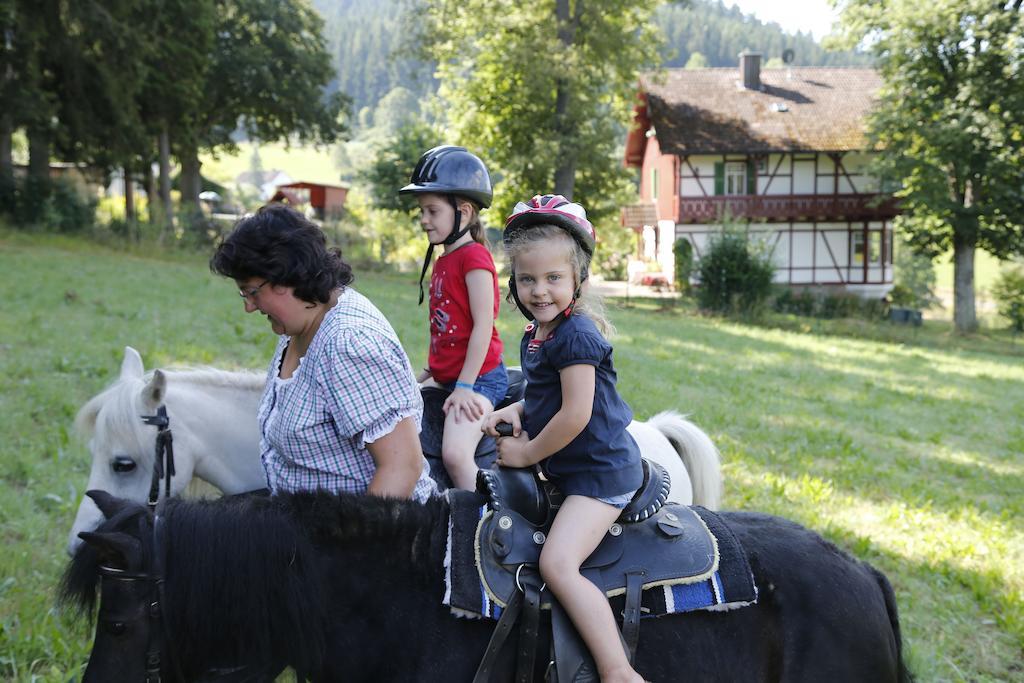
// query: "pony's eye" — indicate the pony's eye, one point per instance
point(114, 628)
point(122, 464)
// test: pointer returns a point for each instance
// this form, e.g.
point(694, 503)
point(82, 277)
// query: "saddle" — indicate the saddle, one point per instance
point(650, 545)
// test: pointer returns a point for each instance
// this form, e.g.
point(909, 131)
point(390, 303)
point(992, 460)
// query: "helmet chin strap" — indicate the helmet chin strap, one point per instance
point(453, 237)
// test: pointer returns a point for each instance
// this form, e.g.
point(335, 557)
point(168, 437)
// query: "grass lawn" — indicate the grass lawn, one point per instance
point(905, 448)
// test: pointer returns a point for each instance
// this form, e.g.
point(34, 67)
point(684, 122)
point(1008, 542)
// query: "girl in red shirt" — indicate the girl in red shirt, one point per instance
point(452, 186)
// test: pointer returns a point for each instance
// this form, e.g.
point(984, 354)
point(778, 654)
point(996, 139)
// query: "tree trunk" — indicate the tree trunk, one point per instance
point(39, 154)
point(165, 183)
point(565, 171)
point(190, 184)
point(6, 148)
point(963, 286)
point(189, 181)
point(129, 200)
point(152, 200)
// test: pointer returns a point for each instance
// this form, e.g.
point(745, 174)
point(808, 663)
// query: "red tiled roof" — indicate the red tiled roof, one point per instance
point(709, 111)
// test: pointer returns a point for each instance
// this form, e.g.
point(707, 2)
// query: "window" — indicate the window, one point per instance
point(858, 248)
point(874, 247)
point(735, 178)
point(654, 183)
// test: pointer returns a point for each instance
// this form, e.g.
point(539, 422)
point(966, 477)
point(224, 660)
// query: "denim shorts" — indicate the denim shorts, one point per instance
point(492, 385)
point(619, 502)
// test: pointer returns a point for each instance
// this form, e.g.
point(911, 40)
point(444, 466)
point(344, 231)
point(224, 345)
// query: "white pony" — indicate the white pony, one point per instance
point(216, 438)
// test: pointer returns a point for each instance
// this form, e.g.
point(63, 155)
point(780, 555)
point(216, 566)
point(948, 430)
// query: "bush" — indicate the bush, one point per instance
point(735, 276)
point(62, 205)
point(915, 280)
point(683, 252)
point(808, 303)
point(1008, 291)
point(613, 265)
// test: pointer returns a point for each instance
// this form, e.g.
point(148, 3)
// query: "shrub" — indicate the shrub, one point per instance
point(1008, 291)
point(807, 302)
point(683, 251)
point(915, 280)
point(735, 275)
point(612, 265)
point(62, 205)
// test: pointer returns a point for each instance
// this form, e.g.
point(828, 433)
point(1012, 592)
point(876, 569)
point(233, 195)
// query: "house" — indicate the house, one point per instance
point(782, 151)
point(326, 201)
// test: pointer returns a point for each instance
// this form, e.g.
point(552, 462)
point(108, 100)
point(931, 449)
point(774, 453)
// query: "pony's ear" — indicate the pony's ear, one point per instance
point(154, 392)
point(109, 505)
point(116, 549)
point(131, 366)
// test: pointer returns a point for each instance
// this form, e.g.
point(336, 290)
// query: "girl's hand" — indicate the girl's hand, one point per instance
point(514, 451)
point(467, 404)
point(508, 414)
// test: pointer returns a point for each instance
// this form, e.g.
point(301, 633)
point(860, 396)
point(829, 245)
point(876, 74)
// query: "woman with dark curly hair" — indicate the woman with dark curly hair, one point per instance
point(341, 408)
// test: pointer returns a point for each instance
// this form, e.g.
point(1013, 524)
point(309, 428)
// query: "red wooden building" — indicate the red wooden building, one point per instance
point(781, 150)
point(326, 201)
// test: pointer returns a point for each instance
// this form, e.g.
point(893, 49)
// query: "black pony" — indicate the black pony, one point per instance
point(349, 588)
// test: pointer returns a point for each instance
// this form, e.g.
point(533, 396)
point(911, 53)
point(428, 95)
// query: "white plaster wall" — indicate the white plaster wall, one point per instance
point(803, 177)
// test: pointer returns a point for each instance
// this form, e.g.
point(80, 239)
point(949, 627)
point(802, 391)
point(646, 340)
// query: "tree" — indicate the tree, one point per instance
point(268, 68)
point(950, 123)
point(394, 162)
point(543, 92)
point(696, 61)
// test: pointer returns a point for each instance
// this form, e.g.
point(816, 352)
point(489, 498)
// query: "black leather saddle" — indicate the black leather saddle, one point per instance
point(651, 544)
point(524, 491)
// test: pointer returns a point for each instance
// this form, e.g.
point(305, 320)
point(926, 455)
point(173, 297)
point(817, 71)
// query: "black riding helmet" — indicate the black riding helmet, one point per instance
point(453, 172)
point(448, 169)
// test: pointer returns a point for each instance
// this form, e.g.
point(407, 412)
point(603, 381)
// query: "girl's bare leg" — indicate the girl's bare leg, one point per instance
point(578, 528)
point(458, 446)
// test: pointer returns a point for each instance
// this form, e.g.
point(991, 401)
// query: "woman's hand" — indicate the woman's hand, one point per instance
point(512, 414)
point(467, 404)
point(514, 451)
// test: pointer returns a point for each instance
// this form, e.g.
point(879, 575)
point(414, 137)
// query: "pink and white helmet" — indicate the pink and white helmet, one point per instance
point(552, 209)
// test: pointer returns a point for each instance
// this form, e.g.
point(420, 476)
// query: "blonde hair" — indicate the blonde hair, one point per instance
point(475, 225)
point(588, 303)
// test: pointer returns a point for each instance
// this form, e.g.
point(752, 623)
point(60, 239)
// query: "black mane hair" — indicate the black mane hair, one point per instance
point(261, 564)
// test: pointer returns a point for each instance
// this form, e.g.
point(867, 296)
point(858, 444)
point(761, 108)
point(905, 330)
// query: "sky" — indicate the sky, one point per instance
point(814, 16)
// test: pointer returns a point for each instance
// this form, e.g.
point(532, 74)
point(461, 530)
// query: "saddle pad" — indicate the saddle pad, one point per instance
point(727, 585)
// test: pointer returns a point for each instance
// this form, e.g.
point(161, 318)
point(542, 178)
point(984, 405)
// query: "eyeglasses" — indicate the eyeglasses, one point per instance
point(250, 295)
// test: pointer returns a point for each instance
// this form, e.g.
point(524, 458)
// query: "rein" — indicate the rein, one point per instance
point(163, 461)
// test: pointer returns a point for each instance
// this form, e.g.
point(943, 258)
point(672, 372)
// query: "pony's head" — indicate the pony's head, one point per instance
point(118, 555)
point(121, 445)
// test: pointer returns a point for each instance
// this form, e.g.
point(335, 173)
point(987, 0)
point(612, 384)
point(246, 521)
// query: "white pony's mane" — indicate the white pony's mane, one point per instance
point(120, 397)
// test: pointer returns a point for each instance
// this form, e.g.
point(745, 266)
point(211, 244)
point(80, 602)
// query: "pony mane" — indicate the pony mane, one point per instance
point(267, 566)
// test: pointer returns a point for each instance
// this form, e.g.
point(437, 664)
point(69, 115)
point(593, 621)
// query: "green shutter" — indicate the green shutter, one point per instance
point(751, 177)
point(719, 178)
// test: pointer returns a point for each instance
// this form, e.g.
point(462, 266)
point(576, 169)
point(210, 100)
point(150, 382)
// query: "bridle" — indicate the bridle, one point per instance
point(163, 460)
point(158, 638)
point(163, 469)
point(154, 598)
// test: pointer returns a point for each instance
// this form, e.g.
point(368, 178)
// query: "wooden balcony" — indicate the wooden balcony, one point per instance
point(788, 207)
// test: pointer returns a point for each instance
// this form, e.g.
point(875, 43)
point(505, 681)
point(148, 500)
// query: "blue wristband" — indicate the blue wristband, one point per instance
point(464, 385)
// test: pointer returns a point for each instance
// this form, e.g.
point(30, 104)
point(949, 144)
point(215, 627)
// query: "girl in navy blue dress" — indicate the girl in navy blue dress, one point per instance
point(572, 421)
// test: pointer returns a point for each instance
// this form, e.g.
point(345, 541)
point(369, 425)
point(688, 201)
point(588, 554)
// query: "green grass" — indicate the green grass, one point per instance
point(906, 448)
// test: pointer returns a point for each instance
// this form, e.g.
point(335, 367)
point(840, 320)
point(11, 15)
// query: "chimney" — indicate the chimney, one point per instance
point(750, 69)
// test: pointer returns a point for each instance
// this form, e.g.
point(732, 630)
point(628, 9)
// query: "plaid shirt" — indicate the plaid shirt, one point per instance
point(351, 388)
